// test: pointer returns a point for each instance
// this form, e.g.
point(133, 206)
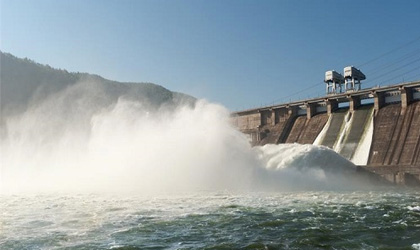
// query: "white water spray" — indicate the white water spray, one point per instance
point(81, 140)
point(361, 155)
point(348, 119)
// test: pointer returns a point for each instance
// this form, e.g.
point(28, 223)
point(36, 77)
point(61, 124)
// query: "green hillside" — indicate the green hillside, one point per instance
point(24, 82)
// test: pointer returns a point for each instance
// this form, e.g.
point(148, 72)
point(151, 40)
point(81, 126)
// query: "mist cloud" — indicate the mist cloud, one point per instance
point(82, 139)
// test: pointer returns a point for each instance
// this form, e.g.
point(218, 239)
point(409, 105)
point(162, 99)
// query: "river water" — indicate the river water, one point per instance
point(213, 220)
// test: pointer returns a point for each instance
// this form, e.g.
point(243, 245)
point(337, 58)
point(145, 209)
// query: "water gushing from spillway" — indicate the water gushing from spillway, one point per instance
point(338, 146)
point(361, 155)
point(79, 139)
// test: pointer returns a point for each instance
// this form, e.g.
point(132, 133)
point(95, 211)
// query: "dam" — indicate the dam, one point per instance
point(376, 128)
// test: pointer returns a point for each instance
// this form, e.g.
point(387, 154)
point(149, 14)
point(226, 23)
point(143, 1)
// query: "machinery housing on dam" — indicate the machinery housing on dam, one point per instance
point(376, 128)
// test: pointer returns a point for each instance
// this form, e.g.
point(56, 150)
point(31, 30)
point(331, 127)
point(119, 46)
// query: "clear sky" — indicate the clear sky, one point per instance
point(240, 53)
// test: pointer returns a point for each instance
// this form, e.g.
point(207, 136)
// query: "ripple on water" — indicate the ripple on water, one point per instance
point(301, 220)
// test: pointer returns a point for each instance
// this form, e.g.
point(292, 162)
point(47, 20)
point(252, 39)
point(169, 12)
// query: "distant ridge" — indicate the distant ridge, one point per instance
point(23, 81)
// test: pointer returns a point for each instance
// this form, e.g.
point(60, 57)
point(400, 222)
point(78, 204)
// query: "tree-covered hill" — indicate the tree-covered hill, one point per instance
point(24, 82)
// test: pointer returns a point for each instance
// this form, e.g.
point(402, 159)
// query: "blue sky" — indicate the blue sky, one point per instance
point(240, 53)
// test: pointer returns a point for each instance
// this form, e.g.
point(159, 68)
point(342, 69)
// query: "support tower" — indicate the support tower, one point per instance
point(352, 78)
point(334, 81)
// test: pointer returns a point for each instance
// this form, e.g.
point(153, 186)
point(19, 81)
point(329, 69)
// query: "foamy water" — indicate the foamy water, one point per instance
point(208, 220)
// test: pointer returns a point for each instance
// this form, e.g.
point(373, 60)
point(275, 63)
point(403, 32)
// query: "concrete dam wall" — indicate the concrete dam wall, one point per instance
point(378, 128)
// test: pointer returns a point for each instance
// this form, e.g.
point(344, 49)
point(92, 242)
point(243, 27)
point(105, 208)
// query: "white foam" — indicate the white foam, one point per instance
point(361, 155)
point(343, 132)
point(321, 135)
point(299, 156)
point(415, 209)
point(75, 141)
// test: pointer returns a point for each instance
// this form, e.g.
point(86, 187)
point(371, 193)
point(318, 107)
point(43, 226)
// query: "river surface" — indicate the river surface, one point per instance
point(213, 220)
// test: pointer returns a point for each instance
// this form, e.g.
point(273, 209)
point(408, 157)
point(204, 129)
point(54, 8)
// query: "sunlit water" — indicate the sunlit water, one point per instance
point(203, 220)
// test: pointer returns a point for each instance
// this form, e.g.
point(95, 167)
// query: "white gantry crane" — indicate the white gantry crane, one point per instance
point(350, 82)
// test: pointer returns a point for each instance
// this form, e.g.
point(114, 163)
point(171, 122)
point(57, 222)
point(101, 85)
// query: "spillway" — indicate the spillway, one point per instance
point(378, 128)
point(358, 124)
point(305, 131)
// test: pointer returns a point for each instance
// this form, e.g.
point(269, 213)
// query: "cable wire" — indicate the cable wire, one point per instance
point(396, 69)
point(400, 59)
point(389, 52)
point(417, 68)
